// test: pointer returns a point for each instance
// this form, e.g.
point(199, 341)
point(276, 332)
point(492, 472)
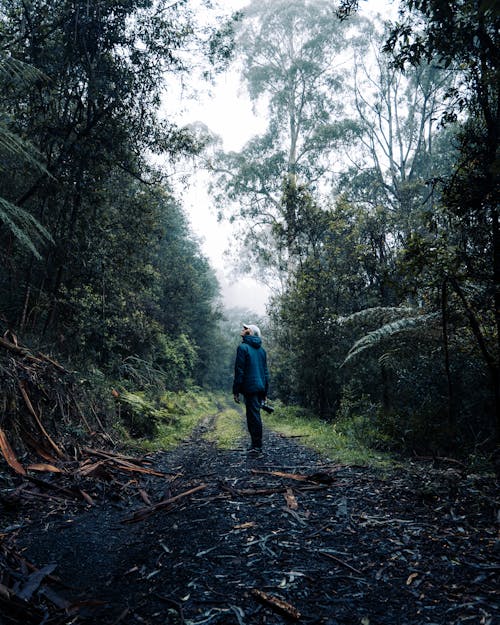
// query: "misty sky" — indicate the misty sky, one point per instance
point(225, 108)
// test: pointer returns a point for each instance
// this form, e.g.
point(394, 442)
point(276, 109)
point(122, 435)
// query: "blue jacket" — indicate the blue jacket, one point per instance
point(250, 369)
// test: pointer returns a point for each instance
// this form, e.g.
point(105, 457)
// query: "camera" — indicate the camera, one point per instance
point(267, 408)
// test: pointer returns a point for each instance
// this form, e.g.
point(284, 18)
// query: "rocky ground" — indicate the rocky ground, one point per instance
point(288, 536)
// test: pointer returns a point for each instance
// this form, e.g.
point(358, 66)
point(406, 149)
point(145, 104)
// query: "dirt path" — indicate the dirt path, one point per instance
point(338, 545)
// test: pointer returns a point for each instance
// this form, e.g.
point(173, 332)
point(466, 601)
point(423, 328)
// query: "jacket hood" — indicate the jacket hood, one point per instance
point(254, 341)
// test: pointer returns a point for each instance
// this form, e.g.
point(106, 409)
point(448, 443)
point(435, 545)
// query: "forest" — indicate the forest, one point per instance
point(368, 205)
point(372, 197)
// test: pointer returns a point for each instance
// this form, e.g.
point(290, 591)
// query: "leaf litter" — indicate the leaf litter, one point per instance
point(199, 535)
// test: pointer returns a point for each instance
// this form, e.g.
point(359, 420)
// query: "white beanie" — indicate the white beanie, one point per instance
point(253, 329)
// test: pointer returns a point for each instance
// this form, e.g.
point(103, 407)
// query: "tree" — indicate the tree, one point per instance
point(103, 293)
point(288, 52)
point(398, 115)
point(466, 37)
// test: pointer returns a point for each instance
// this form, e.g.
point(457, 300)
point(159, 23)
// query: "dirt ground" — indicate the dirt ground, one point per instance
point(288, 536)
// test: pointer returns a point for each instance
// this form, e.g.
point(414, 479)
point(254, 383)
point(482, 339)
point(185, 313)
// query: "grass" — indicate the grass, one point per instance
point(228, 430)
point(329, 439)
point(184, 411)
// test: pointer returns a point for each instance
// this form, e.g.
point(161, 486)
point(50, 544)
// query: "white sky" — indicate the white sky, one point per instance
point(227, 111)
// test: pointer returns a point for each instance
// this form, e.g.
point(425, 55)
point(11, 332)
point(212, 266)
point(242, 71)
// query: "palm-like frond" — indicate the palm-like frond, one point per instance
point(12, 144)
point(388, 331)
point(19, 221)
point(23, 225)
point(377, 314)
point(17, 70)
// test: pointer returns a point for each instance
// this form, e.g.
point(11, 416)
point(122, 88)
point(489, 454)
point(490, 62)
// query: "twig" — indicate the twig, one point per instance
point(341, 562)
point(276, 604)
point(173, 603)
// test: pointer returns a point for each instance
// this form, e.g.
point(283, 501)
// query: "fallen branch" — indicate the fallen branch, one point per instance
point(29, 405)
point(320, 476)
point(9, 455)
point(143, 513)
point(276, 604)
point(126, 463)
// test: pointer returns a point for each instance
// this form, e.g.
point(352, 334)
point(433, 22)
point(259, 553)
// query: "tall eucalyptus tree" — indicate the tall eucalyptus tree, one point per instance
point(291, 58)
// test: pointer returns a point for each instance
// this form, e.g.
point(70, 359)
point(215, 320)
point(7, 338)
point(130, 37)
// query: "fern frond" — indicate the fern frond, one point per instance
point(23, 226)
point(15, 69)
point(378, 314)
point(387, 331)
point(12, 144)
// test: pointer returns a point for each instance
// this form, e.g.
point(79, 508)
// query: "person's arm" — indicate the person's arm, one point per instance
point(267, 378)
point(239, 373)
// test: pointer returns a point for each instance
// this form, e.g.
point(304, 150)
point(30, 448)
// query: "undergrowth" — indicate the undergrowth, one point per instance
point(170, 420)
point(337, 441)
point(175, 416)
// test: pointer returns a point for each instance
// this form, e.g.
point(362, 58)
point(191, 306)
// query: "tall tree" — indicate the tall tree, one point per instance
point(289, 55)
point(466, 36)
point(103, 292)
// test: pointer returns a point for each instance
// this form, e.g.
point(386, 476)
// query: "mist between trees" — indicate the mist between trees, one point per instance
point(371, 201)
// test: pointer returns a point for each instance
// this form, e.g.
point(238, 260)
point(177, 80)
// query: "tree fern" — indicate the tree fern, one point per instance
point(18, 71)
point(387, 331)
point(378, 314)
point(23, 225)
point(25, 228)
point(11, 144)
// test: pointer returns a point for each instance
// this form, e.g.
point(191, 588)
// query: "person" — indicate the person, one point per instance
point(251, 378)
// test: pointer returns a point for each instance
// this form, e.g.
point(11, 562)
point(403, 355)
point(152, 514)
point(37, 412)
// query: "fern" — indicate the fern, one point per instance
point(387, 331)
point(18, 71)
point(12, 144)
point(23, 225)
point(378, 314)
point(25, 228)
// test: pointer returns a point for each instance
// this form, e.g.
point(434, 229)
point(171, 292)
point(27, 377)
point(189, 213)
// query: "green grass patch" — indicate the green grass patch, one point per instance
point(176, 417)
point(333, 440)
point(229, 429)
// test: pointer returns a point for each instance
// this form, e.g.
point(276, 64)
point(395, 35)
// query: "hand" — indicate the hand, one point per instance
point(237, 398)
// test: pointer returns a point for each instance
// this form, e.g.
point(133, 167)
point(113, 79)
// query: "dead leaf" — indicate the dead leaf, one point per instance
point(244, 526)
point(44, 467)
point(9, 455)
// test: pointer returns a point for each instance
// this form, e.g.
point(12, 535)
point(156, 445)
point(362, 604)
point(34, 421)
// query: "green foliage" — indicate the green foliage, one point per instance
point(139, 415)
point(229, 429)
point(14, 150)
point(409, 290)
point(122, 285)
point(184, 411)
point(388, 331)
point(338, 442)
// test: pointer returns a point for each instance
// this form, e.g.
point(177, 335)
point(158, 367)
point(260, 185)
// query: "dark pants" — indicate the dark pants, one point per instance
point(254, 422)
